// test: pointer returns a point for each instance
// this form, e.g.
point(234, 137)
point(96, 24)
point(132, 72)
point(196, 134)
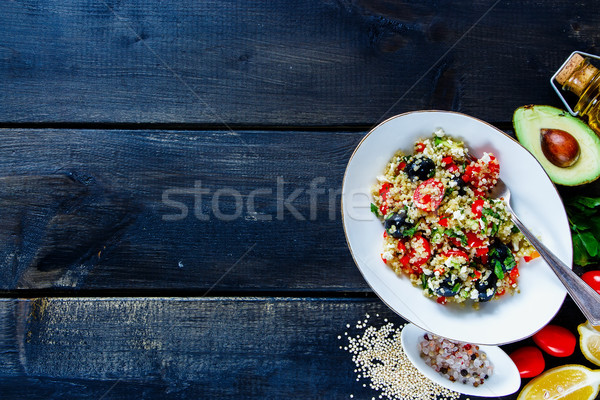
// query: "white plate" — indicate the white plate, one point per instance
point(504, 380)
point(534, 199)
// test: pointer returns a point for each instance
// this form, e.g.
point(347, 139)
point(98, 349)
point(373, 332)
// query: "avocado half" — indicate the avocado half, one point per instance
point(530, 120)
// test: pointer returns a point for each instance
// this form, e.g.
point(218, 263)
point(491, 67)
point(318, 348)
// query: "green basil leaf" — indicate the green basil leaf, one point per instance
point(590, 243)
point(581, 222)
point(580, 255)
point(498, 270)
point(510, 262)
point(590, 202)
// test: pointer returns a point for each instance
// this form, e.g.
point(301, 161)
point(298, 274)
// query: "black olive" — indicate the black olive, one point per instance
point(500, 253)
point(446, 288)
point(460, 185)
point(397, 220)
point(487, 281)
point(420, 168)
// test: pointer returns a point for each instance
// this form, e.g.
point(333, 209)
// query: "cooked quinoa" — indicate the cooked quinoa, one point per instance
point(442, 228)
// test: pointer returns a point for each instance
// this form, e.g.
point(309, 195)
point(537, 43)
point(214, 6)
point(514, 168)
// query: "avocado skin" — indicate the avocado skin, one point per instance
point(528, 120)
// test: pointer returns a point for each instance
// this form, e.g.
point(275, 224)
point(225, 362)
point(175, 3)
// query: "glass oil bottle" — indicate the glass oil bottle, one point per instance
point(580, 77)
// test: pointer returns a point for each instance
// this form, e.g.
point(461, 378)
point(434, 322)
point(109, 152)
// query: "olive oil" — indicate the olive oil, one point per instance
point(583, 79)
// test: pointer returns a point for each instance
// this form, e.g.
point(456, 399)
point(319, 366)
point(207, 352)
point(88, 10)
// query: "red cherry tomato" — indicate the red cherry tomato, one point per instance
point(429, 194)
point(420, 252)
point(592, 278)
point(529, 361)
point(556, 340)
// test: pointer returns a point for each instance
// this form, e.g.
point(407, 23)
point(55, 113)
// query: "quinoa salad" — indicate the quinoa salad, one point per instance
point(456, 361)
point(442, 228)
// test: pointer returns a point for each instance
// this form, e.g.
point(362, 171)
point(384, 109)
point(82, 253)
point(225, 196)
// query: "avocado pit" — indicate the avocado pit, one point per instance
point(559, 147)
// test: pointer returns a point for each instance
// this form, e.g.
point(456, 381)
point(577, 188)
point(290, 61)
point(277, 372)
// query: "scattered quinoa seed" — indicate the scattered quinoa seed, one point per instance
point(380, 359)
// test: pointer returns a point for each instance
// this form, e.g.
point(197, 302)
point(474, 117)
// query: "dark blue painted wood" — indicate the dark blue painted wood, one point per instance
point(303, 62)
point(196, 210)
point(218, 348)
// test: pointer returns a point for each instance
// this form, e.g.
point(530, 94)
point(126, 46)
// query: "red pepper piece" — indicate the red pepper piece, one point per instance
point(477, 207)
point(473, 240)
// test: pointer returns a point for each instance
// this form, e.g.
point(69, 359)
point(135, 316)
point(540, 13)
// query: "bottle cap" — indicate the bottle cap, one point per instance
point(572, 63)
point(576, 74)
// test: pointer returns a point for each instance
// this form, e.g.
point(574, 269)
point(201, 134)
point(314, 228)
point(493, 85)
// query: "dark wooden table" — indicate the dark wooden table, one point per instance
point(158, 235)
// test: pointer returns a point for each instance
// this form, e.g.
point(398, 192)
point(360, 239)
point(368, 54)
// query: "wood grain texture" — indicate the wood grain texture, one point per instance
point(307, 62)
point(218, 348)
point(197, 210)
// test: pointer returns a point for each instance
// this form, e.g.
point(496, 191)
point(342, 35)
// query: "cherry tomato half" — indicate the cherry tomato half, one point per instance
point(429, 194)
point(529, 361)
point(556, 340)
point(592, 278)
point(419, 253)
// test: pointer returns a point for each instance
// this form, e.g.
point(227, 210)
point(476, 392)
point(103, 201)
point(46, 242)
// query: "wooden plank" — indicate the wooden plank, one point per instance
point(252, 348)
point(109, 209)
point(305, 62)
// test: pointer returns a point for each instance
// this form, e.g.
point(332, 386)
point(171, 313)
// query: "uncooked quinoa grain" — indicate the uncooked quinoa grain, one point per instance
point(380, 359)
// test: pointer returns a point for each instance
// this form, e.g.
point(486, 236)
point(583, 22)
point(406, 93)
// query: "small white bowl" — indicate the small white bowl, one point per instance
point(534, 199)
point(504, 380)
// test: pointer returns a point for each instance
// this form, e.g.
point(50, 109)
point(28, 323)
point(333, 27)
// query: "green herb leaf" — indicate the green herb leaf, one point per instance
point(580, 255)
point(494, 229)
point(375, 210)
point(410, 232)
point(509, 262)
point(589, 202)
point(584, 220)
point(498, 269)
point(423, 281)
point(438, 140)
point(456, 287)
point(590, 243)
point(458, 235)
point(490, 212)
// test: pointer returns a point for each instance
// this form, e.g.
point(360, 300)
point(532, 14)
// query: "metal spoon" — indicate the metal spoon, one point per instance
point(587, 299)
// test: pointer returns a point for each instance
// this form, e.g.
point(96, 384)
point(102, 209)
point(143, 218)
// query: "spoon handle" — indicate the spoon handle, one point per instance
point(587, 299)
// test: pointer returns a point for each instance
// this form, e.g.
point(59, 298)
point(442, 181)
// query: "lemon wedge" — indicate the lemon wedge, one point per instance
point(589, 342)
point(568, 382)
